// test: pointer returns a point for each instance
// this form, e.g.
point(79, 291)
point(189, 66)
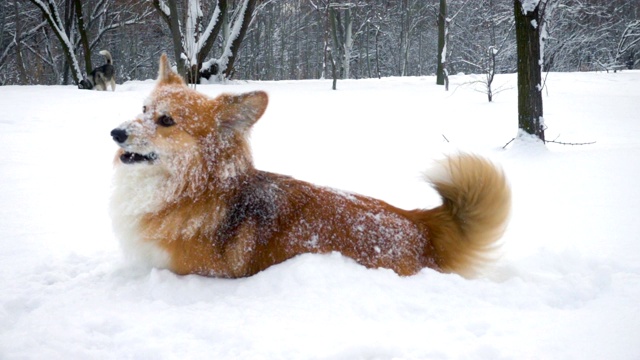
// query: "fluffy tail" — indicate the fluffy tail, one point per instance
point(107, 54)
point(476, 201)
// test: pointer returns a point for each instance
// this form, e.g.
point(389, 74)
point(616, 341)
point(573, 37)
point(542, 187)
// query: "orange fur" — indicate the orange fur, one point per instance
point(187, 197)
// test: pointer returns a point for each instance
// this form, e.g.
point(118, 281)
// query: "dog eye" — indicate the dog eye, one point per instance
point(144, 109)
point(166, 121)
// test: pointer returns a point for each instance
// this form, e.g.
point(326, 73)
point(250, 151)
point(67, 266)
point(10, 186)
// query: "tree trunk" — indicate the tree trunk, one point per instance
point(84, 40)
point(174, 26)
point(492, 52)
point(51, 14)
point(348, 43)
point(247, 16)
point(405, 29)
point(19, 60)
point(442, 43)
point(335, 36)
point(210, 41)
point(367, 52)
point(378, 53)
point(334, 71)
point(528, 23)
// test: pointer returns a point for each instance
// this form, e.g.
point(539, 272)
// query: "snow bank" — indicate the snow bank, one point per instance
point(566, 287)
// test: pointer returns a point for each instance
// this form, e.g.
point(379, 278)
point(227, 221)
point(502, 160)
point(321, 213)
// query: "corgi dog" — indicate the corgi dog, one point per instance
point(188, 198)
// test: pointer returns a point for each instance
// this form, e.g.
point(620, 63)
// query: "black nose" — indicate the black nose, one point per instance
point(119, 135)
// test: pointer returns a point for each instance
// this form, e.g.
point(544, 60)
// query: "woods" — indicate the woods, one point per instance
point(57, 41)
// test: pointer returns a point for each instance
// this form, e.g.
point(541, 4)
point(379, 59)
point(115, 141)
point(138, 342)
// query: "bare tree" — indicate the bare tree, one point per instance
point(193, 38)
point(592, 35)
point(80, 28)
point(483, 40)
point(55, 21)
point(444, 25)
point(629, 40)
point(240, 23)
point(342, 35)
point(528, 20)
point(19, 61)
point(338, 17)
point(443, 34)
point(194, 42)
point(84, 39)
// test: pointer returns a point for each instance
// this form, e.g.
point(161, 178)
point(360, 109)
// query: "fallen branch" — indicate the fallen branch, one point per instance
point(554, 142)
point(566, 143)
point(507, 144)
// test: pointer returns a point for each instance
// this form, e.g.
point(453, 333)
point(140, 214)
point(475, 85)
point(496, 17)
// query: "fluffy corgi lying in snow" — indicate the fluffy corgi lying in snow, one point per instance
point(188, 198)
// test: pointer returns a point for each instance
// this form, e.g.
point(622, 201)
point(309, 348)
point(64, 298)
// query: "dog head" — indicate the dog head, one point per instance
point(187, 135)
point(85, 84)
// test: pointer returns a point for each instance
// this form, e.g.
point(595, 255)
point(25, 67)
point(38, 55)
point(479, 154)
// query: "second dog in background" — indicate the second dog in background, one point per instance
point(101, 76)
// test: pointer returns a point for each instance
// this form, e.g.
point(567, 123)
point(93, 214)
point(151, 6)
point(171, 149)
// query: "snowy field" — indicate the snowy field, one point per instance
point(567, 285)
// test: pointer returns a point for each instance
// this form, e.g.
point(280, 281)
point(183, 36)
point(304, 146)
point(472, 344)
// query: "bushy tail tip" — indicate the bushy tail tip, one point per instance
point(107, 54)
point(476, 202)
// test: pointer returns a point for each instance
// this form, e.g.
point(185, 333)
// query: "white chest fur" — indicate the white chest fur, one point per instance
point(137, 191)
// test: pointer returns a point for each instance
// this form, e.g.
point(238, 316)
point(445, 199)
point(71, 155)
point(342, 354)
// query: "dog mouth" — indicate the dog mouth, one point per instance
point(135, 158)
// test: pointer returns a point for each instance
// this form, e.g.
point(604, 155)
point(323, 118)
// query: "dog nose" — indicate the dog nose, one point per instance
point(119, 135)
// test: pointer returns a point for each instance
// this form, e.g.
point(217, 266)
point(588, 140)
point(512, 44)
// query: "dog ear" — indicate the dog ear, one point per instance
point(240, 112)
point(166, 75)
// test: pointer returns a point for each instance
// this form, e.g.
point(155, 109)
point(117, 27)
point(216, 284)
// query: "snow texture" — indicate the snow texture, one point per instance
point(566, 286)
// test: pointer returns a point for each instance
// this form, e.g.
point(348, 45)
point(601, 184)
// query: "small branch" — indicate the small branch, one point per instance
point(573, 144)
point(445, 138)
point(564, 143)
point(507, 144)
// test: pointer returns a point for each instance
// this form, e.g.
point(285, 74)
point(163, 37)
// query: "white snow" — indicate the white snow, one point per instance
point(566, 287)
point(529, 6)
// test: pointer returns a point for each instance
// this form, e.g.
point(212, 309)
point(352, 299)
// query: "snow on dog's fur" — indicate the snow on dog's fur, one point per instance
point(188, 198)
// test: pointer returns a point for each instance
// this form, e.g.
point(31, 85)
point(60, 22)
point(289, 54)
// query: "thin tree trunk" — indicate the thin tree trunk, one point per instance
point(334, 36)
point(335, 49)
point(68, 25)
point(210, 41)
point(378, 54)
point(334, 71)
point(348, 43)
point(235, 45)
point(442, 43)
point(367, 53)
point(19, 60)
point(174, 26)
point(84, 40)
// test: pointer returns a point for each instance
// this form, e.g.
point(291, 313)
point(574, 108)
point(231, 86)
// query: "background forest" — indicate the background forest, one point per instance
point(57, 41)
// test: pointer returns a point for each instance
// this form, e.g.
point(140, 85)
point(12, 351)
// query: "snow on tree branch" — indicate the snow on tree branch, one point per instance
point(208, 31)
point(51, 14)
point(237, 22)
point(529, 6)
point(162, 7)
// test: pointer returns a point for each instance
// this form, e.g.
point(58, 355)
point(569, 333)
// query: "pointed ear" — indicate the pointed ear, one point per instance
point(166, 75)
point(240, 112)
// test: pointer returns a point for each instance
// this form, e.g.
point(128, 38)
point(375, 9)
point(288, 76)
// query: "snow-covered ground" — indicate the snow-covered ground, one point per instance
point(566, 287)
